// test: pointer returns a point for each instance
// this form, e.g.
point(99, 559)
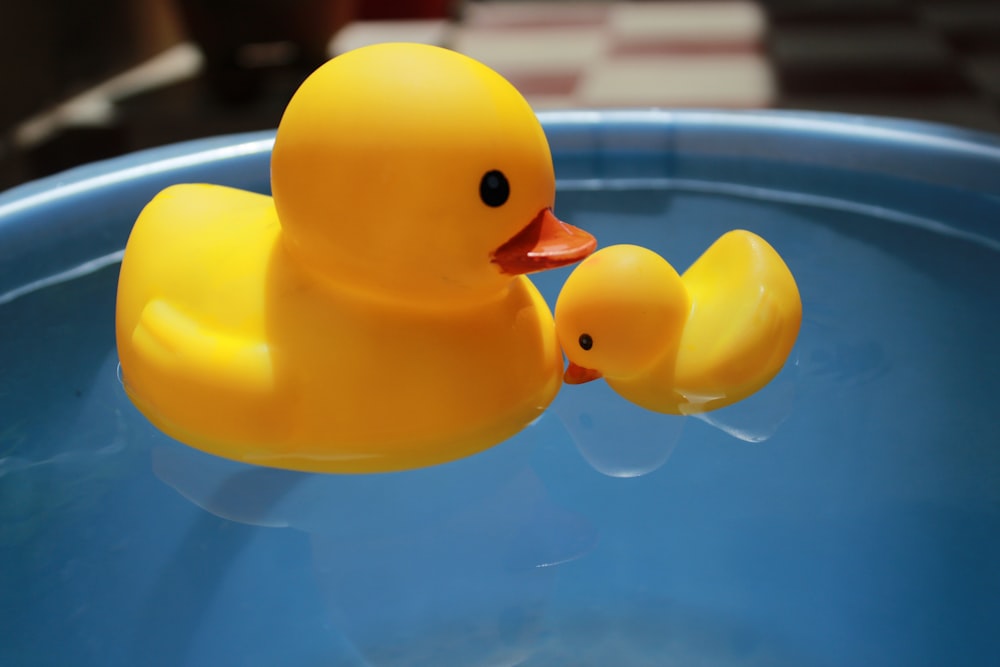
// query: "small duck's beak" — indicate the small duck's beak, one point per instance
point(546, 243)
point(578, 374)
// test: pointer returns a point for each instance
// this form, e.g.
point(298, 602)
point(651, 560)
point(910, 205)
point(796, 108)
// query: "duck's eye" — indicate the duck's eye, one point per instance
point(586, 342)
point(494, 188)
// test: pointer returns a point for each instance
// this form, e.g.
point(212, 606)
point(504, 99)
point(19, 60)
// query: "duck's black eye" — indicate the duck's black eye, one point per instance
point(586, 342)
point(494, 188)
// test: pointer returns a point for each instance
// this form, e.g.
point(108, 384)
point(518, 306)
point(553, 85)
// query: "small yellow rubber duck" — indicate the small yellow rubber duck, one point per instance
point(373, 315)
point(680, 344)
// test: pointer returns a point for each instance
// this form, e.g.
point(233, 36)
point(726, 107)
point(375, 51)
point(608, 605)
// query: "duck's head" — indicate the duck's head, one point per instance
point(618, 313)
point(413, 170)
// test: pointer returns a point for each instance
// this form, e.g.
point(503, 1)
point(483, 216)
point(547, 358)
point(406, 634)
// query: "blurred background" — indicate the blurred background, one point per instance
point(90, 80)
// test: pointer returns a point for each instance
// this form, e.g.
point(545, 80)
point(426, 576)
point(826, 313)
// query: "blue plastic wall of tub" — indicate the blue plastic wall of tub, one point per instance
point(849, 514)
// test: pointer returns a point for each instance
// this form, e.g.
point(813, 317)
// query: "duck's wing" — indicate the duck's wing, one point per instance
point(203, 386)
point(744, 319)
point(190, 311)
point(168, 340)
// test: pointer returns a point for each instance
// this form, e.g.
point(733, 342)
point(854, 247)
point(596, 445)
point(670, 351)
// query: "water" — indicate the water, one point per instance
point(849, 514)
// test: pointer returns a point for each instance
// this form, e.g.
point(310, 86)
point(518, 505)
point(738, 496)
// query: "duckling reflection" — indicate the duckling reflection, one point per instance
point(758, 417)
point(620, 439)
point(447, 565)
point(617, 438)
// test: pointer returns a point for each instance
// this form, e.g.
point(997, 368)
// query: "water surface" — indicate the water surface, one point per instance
point(849, 514)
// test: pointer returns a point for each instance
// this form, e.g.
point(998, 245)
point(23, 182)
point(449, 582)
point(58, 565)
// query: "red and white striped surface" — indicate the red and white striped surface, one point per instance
point(564, 54)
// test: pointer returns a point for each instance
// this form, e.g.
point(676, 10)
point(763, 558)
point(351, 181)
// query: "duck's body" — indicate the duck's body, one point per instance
point(681, 344)
point(351, 325)
point(243, 363)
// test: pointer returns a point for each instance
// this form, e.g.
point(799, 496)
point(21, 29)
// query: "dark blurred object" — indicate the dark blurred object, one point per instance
point(397, 10)
point(52, 49)
point(933, 60)
point(65, 149)
point(859, 46)
point(254, 53)
point(240, 38)
point(60, 57)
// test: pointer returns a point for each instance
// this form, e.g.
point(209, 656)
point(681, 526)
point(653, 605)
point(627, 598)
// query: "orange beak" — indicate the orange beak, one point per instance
point(578, 374)
point(546, 243)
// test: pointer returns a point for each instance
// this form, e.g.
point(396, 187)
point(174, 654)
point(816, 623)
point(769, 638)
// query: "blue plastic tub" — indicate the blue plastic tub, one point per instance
point(847, 515)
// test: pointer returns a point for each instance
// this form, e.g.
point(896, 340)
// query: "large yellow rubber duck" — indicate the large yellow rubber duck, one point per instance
point(372, 316)
point(680, 344)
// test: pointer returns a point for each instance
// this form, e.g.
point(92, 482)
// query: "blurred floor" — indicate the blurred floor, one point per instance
point(925, 59)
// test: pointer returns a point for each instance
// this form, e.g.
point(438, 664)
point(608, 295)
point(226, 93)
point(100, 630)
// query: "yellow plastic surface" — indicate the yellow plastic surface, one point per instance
point(359, 321)
point(377, 165)
point(681, 344)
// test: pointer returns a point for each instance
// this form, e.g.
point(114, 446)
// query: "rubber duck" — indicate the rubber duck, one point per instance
point(374, 314)
point(680, 344)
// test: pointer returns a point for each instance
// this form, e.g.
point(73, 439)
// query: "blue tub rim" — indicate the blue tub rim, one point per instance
point(56, 223)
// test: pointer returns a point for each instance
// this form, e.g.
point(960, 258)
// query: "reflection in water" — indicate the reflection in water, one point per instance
point(462, 553)
point(62, 461)
point(612, 434)
point(758, 417)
